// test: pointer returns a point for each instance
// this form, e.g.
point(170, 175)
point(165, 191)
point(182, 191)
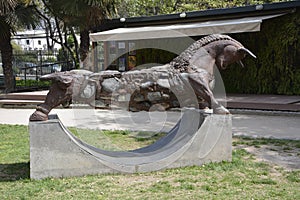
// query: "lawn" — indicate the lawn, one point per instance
point(243, 178)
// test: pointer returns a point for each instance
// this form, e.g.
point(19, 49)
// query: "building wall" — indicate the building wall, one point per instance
point(33, 40)
point(129, 55)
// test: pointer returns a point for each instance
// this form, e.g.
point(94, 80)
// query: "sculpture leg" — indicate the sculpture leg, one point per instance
point(58, 94)
point(200, 84)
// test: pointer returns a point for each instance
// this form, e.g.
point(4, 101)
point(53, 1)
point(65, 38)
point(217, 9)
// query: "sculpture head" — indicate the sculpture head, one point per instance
point(227, 52)
point(221, 50)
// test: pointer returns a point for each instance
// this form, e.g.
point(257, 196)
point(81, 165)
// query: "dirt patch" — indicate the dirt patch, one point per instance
point(285, 156)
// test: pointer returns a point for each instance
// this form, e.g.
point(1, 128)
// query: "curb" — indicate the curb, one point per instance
point(265, 112)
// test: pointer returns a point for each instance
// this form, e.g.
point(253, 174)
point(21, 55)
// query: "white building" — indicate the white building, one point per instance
point(33, 40)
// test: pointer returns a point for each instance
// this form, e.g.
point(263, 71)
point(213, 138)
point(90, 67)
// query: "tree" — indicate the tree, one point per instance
point(81, 16)
point(5, 47)
point(13, 14)
point(57, 30)
point(86, 14)
point(132, 8)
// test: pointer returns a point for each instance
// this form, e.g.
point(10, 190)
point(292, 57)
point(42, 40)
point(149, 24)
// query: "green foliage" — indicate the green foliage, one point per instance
point(15, 46)
point(32, 83)
point(277, 67)
point(133, 8)
point(70, 41)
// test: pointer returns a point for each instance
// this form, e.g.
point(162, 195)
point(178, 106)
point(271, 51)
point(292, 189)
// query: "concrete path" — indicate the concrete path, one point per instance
point(99, 119)
point(268, 125)
point(255, 124)
point(263, 102)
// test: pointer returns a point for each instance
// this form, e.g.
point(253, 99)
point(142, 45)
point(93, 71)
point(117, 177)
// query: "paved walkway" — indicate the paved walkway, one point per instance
point(99, 119)
point(264, 102)
point(255, 124)
point(276, 116)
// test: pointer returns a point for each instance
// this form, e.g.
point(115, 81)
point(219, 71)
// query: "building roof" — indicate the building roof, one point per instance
point(201, 16)
point(240, 25)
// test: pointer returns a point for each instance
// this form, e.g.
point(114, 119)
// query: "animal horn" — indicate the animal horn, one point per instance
point(247, 51)
point(241, 63)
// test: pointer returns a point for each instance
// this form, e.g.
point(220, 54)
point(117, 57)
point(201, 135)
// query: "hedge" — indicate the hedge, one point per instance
point(277, 67)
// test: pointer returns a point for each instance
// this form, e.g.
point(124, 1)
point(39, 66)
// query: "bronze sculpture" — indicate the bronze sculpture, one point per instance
point(190, 75)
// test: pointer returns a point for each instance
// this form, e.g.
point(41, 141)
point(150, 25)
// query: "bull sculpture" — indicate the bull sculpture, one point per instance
point(190, 77)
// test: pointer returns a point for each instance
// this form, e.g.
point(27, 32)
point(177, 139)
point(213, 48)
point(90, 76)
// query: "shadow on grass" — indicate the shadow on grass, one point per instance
point(14, 171)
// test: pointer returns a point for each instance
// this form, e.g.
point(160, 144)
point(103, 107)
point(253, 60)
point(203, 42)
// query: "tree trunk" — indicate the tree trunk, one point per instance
point(84, 46)
point(76, 45)
point(7, 56)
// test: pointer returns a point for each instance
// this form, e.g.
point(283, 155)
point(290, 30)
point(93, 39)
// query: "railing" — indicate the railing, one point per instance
point(2, 84)
point(28, 78)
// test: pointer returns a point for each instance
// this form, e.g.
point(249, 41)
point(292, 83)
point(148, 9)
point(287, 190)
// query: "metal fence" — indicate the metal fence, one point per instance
point(29, 66)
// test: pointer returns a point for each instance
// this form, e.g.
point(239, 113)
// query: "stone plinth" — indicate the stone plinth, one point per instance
point(195, 140)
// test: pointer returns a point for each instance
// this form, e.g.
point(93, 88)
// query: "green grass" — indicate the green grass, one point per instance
point(286, 144)
point(23, 83)
point(243, 178)
point(116, 140)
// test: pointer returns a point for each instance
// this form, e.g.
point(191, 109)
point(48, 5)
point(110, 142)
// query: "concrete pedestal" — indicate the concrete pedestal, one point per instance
point(195, 140)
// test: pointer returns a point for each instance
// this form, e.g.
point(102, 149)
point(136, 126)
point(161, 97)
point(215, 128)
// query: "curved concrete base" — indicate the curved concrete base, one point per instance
point(196, 139)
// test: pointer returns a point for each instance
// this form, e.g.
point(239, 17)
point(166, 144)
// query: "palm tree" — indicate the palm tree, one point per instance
point(13, 14)
point(93, 15)
point(6, 7)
